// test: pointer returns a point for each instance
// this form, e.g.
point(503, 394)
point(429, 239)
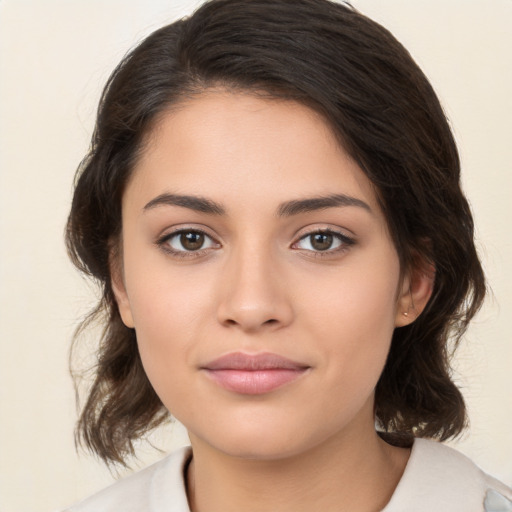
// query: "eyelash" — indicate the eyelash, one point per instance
point(163, 243)
point(344, 243)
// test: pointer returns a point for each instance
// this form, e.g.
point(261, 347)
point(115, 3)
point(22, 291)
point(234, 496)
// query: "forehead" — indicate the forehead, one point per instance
point(237, 145)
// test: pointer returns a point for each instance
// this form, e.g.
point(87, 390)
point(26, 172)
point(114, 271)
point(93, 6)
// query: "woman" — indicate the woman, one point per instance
point(272, 206)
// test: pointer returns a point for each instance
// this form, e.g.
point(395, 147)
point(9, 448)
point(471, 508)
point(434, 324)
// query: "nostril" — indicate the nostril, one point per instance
point(269, 322)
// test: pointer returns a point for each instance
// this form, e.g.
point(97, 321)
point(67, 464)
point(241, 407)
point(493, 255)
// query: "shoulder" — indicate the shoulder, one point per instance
point(440, 478)
point(157, 488)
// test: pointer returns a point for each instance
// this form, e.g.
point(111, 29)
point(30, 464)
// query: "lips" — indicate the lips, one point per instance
point(253, 374)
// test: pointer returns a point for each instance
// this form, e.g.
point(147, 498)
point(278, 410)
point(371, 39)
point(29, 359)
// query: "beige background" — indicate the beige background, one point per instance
point(55, 56)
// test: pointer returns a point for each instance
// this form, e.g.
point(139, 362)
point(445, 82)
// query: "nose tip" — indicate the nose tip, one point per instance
point(251, 321)
point(254, 297)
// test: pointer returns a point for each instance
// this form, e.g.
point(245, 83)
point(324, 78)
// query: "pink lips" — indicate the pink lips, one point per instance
point(253, 374)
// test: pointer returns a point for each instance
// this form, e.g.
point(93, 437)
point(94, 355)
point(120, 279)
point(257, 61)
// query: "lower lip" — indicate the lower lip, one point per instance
point(254, 382)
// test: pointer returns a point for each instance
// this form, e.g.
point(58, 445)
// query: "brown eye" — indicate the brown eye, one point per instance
point(192, 240)
point(184, 241)
point(321, 241)
point(324, 241)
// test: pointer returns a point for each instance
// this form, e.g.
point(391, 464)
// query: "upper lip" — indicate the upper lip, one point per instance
point(253, 362)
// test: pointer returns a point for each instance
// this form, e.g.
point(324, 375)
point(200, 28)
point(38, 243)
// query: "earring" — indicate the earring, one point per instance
point(405, 313)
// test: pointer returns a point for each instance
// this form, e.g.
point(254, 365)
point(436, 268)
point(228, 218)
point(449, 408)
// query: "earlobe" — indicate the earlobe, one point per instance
point(119, 289)
point(416, 291)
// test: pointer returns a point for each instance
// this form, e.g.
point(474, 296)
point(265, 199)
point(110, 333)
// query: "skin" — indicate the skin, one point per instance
point(258, 284)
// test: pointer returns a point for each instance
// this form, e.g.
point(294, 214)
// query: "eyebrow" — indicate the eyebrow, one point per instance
point(298, 206)
point(197, 203)
point(286, 209)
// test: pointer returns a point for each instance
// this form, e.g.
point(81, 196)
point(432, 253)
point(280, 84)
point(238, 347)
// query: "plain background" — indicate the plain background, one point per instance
point(54, 58)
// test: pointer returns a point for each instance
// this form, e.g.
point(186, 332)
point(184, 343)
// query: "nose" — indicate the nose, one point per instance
point(253, 292)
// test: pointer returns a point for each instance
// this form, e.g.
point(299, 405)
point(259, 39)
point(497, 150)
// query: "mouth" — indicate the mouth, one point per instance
point(255, 374)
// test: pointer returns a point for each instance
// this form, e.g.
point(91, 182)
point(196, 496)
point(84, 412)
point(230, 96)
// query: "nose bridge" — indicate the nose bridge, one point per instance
point(253, 295)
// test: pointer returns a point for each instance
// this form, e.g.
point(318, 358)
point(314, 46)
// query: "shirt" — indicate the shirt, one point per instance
point(436, 479)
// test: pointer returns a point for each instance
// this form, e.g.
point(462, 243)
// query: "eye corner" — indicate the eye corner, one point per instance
point(187, 242)
point(330, 242)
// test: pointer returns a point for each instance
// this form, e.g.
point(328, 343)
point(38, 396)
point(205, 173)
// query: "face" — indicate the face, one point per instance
point(259, 275)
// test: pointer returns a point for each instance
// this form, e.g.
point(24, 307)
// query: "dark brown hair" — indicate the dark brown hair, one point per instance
point(386, 115)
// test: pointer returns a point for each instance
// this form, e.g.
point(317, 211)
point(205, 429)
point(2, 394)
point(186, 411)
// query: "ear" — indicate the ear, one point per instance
point(415, 292)
point(119, 289)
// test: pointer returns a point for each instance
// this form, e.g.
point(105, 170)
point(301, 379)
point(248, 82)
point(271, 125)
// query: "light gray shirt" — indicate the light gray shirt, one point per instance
point(436, 479)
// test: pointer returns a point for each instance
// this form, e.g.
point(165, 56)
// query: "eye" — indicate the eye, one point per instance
point(189, 240)
point(323, 241)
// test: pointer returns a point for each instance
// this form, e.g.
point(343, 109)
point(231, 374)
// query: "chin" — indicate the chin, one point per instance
point(257, 451)
point(263, 442)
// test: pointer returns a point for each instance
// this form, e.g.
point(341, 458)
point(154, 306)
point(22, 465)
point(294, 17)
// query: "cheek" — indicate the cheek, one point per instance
point(353, 317)
point(165, 327)
point(164, 297)
point(359, 297)
point(170, 309)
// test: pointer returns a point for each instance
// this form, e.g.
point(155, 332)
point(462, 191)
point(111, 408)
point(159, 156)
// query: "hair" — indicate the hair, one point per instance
point(385, 114)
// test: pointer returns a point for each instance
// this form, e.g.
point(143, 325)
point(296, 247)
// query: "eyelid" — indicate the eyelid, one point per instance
point(340, 234)
point(183, 227)
point(346, 240)
point(163, 239)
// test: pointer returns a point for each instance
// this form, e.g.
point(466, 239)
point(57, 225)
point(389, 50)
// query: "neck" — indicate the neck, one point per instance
point(356, 473)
